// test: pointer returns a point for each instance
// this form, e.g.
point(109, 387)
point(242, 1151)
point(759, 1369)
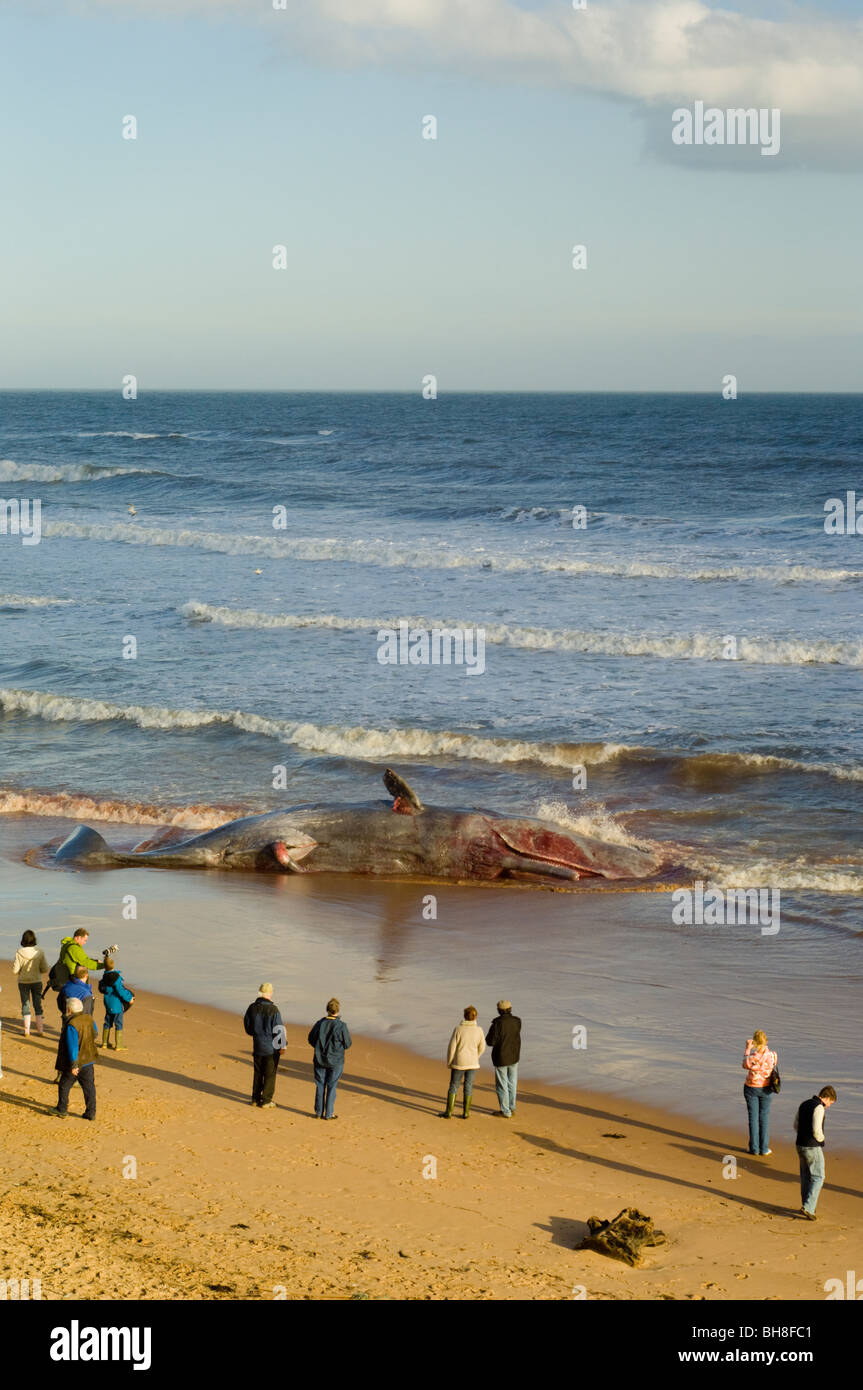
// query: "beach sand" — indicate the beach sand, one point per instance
point(232, 1202)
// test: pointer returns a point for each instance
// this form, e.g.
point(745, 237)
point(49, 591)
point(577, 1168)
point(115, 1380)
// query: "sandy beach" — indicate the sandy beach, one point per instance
point(230, 1202)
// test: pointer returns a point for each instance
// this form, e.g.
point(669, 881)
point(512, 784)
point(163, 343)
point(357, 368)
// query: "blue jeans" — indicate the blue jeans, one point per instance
point(811, 1176)
point(758, 1104)
point(28, 992)
point(455, 1077)
point(326, 1081)
point(505, 1080)
point(114, 1020)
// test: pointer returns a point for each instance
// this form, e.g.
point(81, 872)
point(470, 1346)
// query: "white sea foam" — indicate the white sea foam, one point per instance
point(80, 806)
point(118, 434)
point(391, 555)
point(795, 875)
point(32, 601)
point(12, 472)
point(377, 744)
point(673, 647)
point(594, 820)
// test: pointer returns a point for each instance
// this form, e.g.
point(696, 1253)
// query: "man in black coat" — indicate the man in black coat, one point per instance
point(504, 1039)
point(263, 1023)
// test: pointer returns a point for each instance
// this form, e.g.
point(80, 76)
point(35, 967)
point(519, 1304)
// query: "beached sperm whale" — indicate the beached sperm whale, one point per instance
point(398, 838)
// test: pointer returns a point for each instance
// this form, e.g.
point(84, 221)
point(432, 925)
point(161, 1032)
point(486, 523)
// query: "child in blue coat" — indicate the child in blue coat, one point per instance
point(115, 994)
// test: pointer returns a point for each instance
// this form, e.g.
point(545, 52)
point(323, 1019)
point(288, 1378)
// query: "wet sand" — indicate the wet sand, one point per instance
point(665, 1009)
point(232, 1202)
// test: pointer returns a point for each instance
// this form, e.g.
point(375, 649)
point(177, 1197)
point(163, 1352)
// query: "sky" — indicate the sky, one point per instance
point(409, 257)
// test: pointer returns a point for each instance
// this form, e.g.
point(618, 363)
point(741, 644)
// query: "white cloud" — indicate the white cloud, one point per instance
point(650, 52)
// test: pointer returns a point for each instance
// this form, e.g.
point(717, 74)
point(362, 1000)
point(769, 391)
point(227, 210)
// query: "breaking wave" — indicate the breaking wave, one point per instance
point(390, 555)
point(79, 806)
point(384, 744)
point(673, 647)
point(32, 601)
point(12, 472)
point(795, 875)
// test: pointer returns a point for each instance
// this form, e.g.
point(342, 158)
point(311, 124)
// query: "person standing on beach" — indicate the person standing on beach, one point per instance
point(263, 1023)
point(30, 965)
point(504, 1039)
point(76, 1054)
point(77, 988)
point(72, 952)
point(330, 1037)
point(759, 1064)
point(117, 998)
point(466, 1046)
point(809, 1124)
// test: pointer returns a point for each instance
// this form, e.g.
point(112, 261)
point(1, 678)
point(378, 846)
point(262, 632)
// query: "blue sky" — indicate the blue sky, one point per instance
point(408, 256)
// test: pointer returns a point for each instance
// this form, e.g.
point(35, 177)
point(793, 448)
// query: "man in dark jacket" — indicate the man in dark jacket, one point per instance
point(330, 1038)
point(504, 1039)
point(263, 1023)
point(76, 1054)
point(809, 1124)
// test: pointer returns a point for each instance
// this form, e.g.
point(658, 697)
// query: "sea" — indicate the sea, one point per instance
point(673, 659)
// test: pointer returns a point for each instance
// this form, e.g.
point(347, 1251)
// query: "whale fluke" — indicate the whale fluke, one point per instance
point(82, 846)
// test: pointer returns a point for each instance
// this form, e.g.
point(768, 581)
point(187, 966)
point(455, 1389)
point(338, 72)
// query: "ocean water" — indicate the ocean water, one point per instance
point(606, 646)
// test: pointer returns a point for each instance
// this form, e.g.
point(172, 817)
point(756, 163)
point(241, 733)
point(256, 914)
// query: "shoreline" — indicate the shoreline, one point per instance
point(230, 1202)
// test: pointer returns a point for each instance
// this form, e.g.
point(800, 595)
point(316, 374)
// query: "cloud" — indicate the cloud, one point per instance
point(655, 54)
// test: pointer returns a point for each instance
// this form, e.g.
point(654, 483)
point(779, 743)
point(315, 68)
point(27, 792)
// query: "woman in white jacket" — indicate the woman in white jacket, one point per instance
point(30, 965)
point(466, 1046)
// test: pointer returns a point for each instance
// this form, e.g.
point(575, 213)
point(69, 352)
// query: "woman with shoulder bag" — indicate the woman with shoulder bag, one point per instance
point(762, 1082)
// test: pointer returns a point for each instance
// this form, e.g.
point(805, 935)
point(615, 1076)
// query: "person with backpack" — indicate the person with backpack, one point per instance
point(117, 999)
point(30, 965)
point(72, 954)
point(263, 1023)
point(760, 1064)
point(504, 1039)
point(330, 1038)
point(76, 1054)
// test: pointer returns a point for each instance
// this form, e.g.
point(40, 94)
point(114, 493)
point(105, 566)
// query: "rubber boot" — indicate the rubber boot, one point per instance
point(119, 1045)
point(450, 1106)
point(105, 1035)
point(40, 1026)
point(111, 1045)
point(466, 1109)
point(26, 1022)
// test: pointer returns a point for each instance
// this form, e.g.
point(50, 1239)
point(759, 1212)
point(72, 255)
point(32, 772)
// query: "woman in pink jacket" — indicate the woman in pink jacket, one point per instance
point(758, 1063)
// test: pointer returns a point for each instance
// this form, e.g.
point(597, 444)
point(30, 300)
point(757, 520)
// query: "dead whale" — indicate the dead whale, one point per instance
point(401, 838)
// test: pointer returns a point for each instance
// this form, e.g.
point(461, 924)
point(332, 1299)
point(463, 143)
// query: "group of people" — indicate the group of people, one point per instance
point(330, 1038)
point(761, 1085)
point(70, 978)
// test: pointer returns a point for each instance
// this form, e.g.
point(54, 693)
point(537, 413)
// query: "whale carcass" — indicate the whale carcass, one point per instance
point(400, 838)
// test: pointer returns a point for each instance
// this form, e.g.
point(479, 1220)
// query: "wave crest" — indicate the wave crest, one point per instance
point(390, 555)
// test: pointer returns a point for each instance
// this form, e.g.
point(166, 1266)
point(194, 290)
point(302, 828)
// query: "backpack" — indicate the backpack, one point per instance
point(59, 975)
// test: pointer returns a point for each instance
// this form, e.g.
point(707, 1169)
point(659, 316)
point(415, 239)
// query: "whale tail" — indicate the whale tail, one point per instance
point(84, 846)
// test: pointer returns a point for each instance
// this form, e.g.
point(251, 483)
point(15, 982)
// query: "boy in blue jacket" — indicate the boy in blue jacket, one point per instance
point(115, 994)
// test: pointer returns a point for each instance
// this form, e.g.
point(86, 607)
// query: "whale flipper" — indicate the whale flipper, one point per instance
point(406, 800)
point(84, 846)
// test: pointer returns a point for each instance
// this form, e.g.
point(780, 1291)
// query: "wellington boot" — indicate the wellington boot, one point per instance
point(119, 1045)
point(450, 1106)
point(106, 1033)
point(40, 1027)
point(466, 1109)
